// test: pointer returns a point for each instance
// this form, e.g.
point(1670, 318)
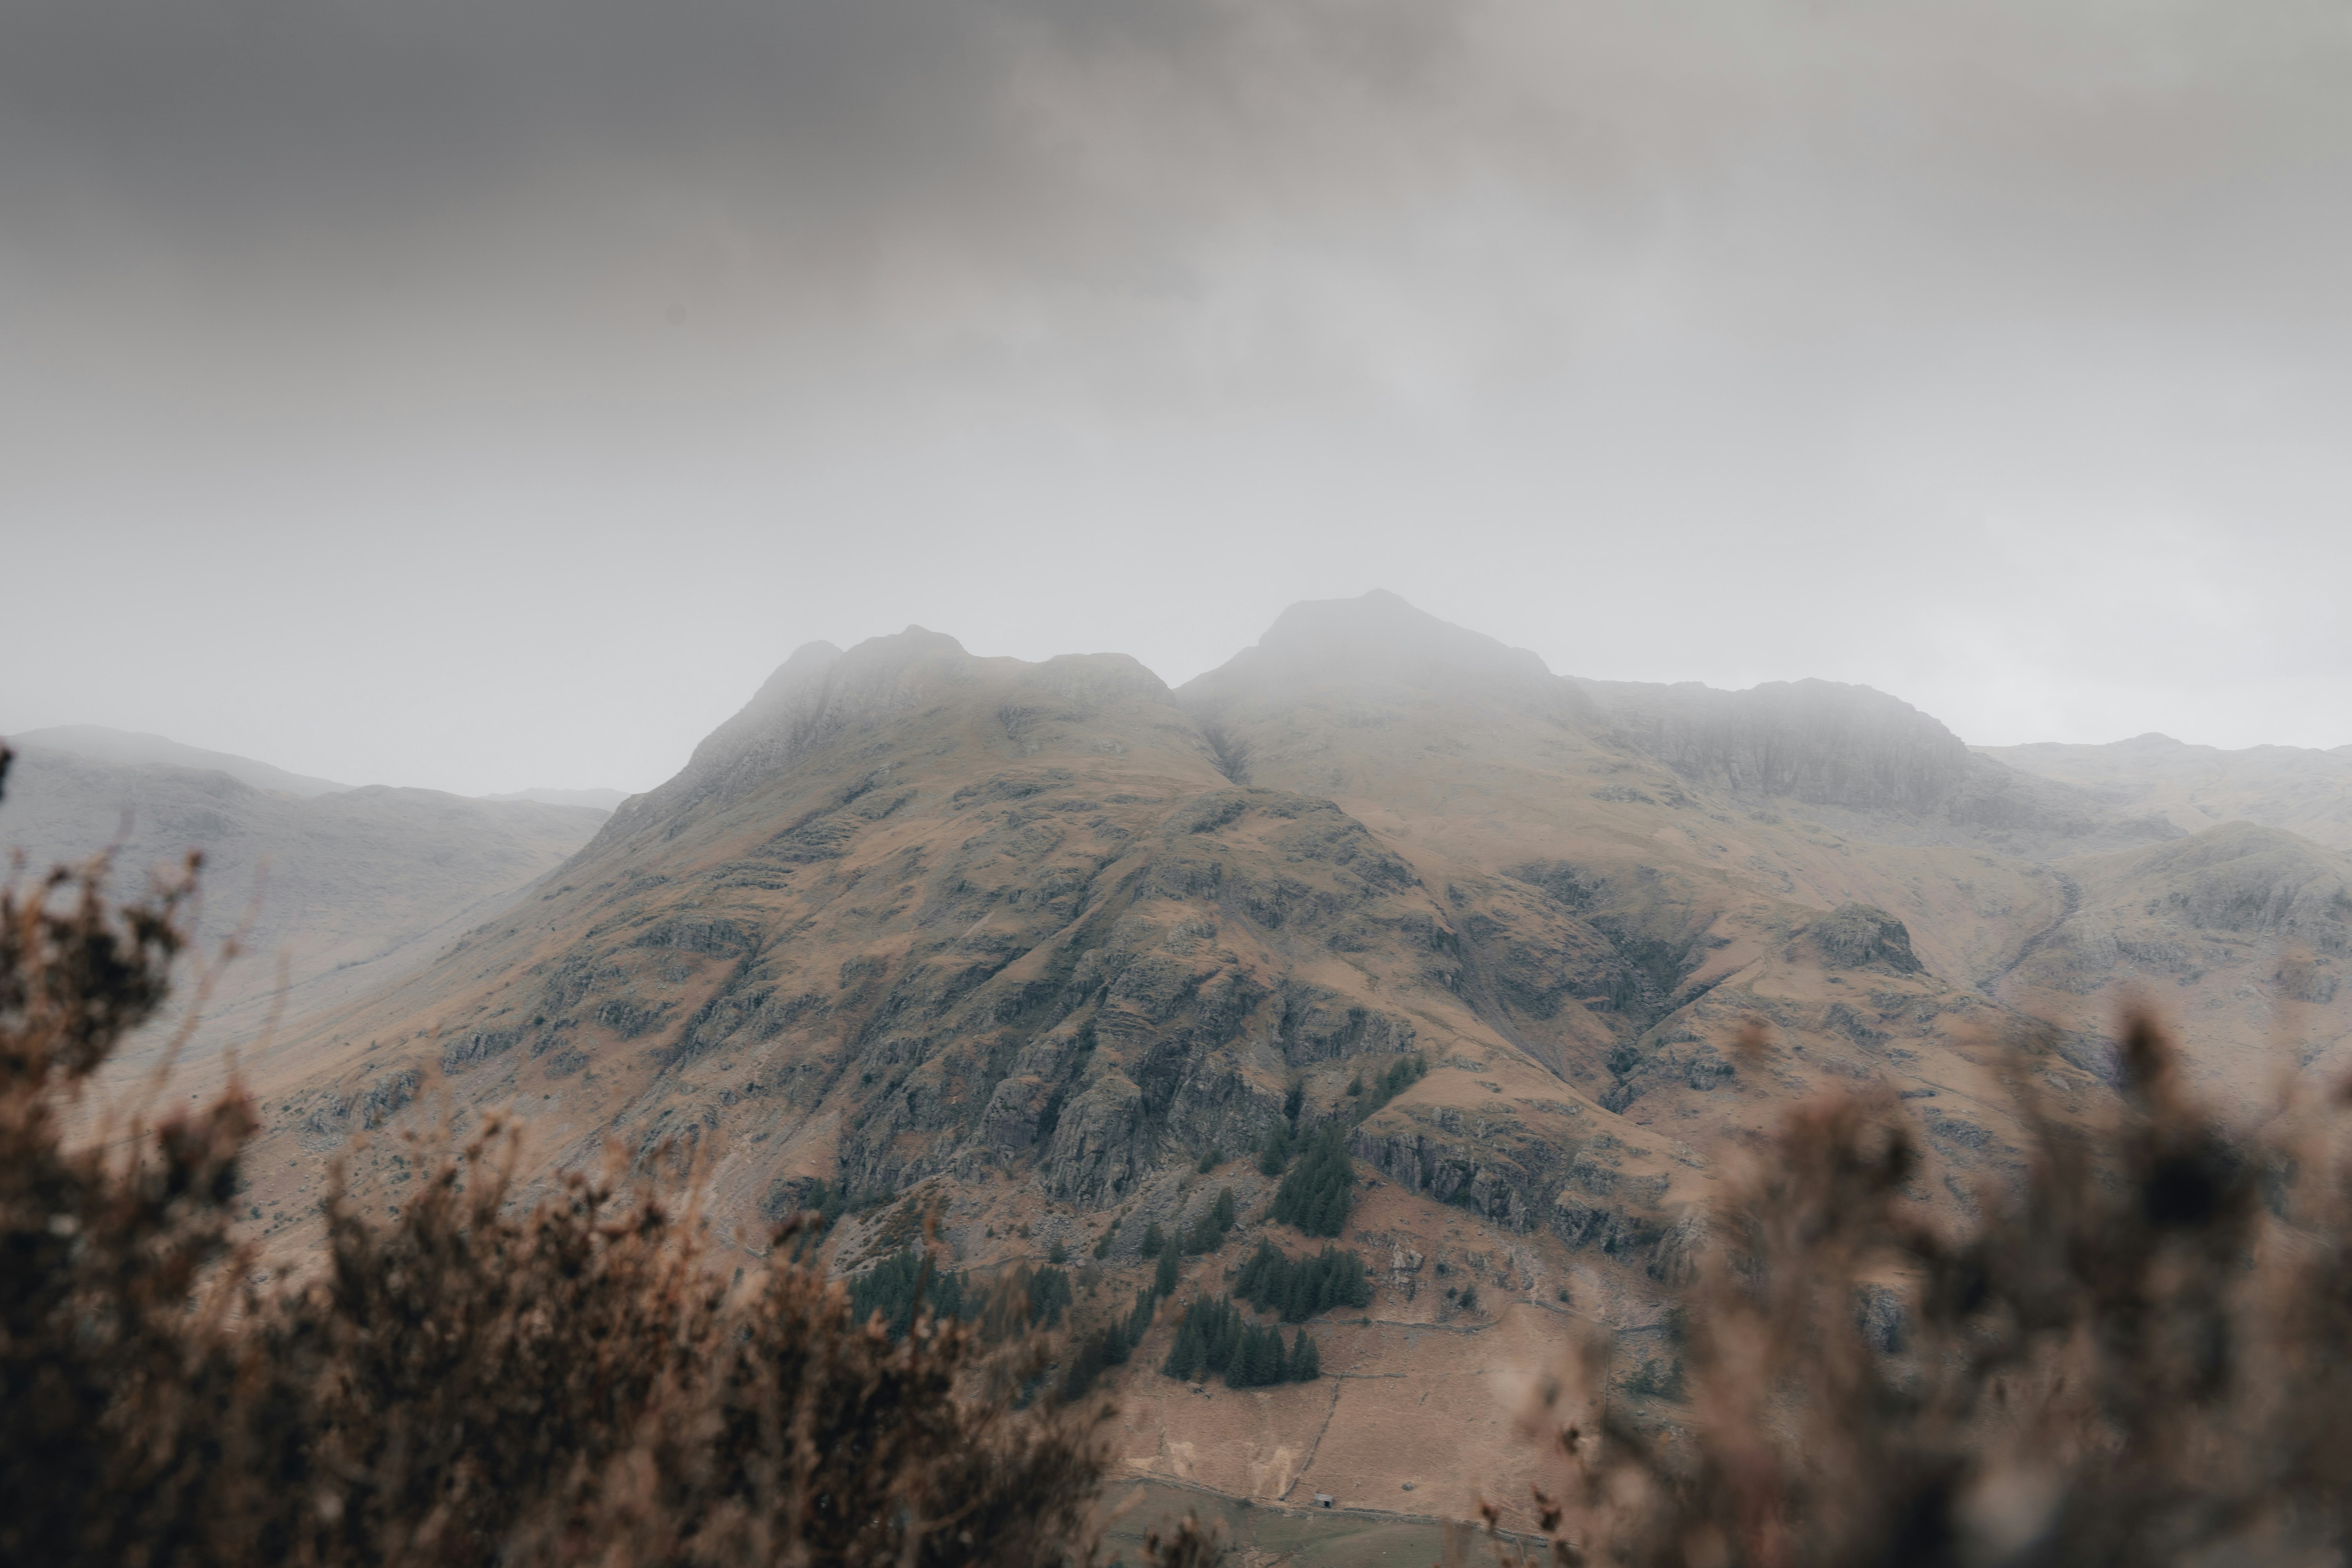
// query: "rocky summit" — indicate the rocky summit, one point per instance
point(1061, 966)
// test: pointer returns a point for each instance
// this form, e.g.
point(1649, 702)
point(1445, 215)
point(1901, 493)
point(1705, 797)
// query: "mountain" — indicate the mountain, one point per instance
point(2242, 932)
point(2304, 791)
point(1872, 760)
point(599, 799)
point(133, 749)
point(1049, 951)
point(333, 891)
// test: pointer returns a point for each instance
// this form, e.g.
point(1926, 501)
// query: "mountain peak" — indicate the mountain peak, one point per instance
point(1384, 628)
point(1375, 639)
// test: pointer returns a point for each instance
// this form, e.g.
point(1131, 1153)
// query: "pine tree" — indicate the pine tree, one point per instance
point(1254, 1281)
point(1259, 1363)
point(1402, 1074)
point(1242, 1371)
point(1105, 1347)
point(1163, 1278)
point(1300, 1288)
point(1029, 1298)
point(894, 1286)
point(1139, 1321)
point(1207, 1232)
point(1314, 1195)
point(1306, 1359)
point(1224, 1338)
point(1186, 1355)
point(1152, 1240)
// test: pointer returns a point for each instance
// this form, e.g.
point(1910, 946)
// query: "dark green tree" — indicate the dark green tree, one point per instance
point(1316, 1193)
point(894, 1286)
point(1207, 1232)
point(1299, 1289)
point(1402, 1075)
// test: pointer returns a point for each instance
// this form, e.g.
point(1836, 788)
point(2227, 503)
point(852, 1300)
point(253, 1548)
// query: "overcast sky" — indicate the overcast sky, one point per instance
point(485, 394)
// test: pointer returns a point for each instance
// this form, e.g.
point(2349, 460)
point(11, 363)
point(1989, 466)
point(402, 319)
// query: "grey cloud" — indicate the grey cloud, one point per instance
point(1985, 150)
point(1733, 339)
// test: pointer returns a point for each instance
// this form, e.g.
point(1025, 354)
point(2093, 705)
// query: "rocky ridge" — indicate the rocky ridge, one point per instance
point(1048, 951)
point(915, 916)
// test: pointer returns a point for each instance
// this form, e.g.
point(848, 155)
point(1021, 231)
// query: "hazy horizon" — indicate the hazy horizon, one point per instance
point(488, 396)
point(649, 784)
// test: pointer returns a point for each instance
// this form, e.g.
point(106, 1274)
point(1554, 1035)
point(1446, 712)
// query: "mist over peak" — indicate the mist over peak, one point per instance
point(1375, 637)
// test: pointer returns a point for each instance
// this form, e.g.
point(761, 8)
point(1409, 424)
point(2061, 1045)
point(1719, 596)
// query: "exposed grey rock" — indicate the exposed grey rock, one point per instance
point(1860, 936)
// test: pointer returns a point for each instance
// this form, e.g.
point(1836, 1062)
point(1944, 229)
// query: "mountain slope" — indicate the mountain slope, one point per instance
point(915, 915)
point(2301, 790)
point(1879, 764)
point(2242, 933)
point(1048, 951)
point(131, 748)
point(342, 889)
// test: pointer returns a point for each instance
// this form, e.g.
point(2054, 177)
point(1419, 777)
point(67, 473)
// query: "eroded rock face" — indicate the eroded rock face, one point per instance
point(1501, 1178)
point(1858, 936)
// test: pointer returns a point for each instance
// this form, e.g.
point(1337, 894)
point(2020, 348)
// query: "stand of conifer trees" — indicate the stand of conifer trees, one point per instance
point(1026, 1298)
point(1402, 1074)
point(1107, 1346)
point(1207, 1232)
point(1112, 1344)
point(895, 1284)
point(1314, 1195)
point(1300, 1288)
point(1213, 1338)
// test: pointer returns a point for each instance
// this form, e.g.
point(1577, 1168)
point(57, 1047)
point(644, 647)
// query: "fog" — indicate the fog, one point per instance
point(487, 394)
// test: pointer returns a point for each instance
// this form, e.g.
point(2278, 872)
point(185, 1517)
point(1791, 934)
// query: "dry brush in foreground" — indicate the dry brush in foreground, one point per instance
point(2139, 1351)
point(576, 1380)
